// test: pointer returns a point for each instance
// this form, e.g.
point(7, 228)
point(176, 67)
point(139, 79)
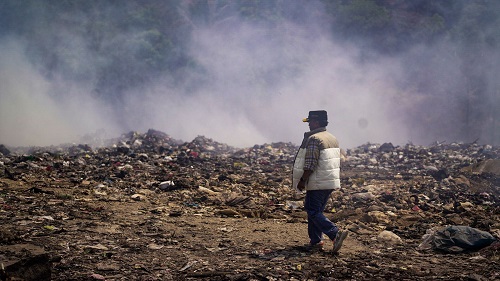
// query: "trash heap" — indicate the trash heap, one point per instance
point(397, 193)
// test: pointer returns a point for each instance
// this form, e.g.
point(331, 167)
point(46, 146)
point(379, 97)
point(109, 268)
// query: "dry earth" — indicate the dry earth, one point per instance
point(78, 216)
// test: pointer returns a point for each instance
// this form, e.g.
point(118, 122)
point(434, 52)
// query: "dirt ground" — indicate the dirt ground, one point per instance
point(140, 240)
point(58, 228)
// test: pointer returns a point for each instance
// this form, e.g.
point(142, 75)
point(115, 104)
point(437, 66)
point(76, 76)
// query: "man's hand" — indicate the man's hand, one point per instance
point(301, 185)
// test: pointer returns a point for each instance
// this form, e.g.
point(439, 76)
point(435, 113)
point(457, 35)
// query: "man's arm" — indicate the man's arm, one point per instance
point(311, 161)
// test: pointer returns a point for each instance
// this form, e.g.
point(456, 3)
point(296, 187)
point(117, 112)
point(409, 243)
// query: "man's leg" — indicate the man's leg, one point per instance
point(318, 224)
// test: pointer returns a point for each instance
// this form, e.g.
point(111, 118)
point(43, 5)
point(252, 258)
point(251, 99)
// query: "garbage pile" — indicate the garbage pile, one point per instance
point(394, 194)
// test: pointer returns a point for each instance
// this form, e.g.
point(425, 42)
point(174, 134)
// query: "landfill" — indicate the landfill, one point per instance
point(145, 206)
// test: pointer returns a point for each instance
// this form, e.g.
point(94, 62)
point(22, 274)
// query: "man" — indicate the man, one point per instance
point(316, 170)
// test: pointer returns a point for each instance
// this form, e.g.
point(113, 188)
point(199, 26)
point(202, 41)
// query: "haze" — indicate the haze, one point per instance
point(257, 83)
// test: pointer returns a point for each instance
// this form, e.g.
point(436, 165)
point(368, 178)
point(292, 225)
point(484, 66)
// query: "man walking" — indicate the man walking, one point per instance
point(316, 170)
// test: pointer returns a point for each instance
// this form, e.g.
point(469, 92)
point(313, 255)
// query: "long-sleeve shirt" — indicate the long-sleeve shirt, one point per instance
point(312, 154)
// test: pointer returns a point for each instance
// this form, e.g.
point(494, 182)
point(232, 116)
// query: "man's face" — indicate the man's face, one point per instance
point(313, 124)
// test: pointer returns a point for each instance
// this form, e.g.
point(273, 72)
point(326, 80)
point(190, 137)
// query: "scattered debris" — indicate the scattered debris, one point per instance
point(151, 206)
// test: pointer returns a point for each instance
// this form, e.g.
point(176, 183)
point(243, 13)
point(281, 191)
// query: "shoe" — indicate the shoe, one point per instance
point(339, 239)
point(318, 247)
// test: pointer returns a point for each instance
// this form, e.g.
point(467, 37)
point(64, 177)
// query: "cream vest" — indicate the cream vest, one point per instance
point(327, 172)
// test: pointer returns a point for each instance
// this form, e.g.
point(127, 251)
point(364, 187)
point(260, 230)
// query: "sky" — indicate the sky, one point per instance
point(261, 83)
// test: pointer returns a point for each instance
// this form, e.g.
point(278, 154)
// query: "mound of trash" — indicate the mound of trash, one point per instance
point(406, 198)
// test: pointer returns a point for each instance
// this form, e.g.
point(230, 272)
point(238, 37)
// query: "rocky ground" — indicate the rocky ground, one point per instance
point(148, 207)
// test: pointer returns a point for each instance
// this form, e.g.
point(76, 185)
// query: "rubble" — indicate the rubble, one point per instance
point(149, 207)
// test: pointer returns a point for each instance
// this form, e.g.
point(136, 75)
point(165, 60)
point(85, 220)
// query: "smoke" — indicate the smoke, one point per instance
point(30, 111)
point(252, 84)
point(263, 82)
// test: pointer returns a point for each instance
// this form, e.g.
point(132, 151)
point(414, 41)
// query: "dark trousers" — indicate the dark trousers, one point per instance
point(317, 223)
